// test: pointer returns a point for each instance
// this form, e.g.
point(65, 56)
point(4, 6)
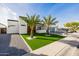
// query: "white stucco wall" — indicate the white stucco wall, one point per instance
point(13, 27)
point(22, 27)
point(2, 26)
point(5, 14)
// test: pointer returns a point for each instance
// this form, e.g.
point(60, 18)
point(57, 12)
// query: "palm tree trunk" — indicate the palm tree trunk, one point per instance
point(31, 33)
point(47, 31)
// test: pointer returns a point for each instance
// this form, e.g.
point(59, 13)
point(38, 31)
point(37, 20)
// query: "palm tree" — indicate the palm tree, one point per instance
point(47, 21)
point(31, 21)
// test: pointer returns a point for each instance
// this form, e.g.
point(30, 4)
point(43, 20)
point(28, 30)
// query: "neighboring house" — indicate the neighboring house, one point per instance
point(62, 30)
point(42, 29)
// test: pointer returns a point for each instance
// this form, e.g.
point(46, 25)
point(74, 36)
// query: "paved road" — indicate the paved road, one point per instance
point(12, 45)
point(74, 46)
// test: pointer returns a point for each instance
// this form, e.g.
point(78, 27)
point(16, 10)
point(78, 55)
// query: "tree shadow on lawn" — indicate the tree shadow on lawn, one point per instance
point(56, 36)
point(51, 35)
point(40, 34)
point(52, 39)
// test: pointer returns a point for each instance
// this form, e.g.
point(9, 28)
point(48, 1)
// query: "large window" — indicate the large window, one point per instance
point(52, 29)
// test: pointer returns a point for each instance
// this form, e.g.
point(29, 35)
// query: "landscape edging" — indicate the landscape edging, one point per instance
point(26, 44)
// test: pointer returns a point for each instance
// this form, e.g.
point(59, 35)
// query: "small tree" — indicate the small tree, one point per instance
point(47, 21)
point(72, 26)
point(31, 21)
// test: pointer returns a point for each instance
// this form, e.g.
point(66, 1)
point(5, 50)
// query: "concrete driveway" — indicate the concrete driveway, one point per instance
point(12, 45)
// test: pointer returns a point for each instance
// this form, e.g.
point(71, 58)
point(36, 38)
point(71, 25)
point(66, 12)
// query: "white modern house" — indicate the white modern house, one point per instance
point(11, 23)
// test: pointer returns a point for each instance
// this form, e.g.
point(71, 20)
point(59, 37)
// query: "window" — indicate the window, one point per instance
point(38, 28)
point(11, 25)
point(23, 25)
point(52, 29)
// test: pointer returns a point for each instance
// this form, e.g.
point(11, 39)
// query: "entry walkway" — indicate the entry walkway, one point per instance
point(64, 47)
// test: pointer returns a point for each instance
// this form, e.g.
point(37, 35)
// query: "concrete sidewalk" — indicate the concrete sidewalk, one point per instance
point(59, 48)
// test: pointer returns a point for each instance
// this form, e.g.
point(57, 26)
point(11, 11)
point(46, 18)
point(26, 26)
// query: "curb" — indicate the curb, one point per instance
point(26, 44)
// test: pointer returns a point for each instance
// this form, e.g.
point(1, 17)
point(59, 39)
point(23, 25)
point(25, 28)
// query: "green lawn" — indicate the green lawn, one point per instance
point(41, 40)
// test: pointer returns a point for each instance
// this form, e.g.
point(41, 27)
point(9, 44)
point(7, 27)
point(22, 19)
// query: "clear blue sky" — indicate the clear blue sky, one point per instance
point(63, 12)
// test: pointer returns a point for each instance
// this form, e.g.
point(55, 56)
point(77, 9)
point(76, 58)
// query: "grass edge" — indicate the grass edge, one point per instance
point(26, 43)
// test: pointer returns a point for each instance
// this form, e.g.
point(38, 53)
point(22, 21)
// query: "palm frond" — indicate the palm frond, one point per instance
point(49, 20)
